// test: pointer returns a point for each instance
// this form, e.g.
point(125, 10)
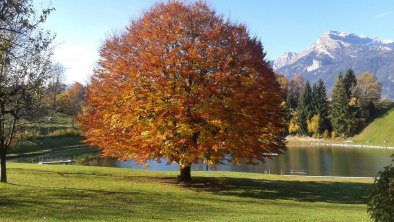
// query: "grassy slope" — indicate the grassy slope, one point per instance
point(77, 193)
point(50, 122)
point(62, 146)
point(379, 131)
point(57, 146)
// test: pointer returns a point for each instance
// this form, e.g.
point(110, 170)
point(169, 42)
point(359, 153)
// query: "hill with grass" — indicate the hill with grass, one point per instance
point(53, 134)
point(378, 132)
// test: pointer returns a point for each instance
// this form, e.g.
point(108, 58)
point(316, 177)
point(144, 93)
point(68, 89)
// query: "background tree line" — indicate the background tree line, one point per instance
point(60, 97)
point(349, 109)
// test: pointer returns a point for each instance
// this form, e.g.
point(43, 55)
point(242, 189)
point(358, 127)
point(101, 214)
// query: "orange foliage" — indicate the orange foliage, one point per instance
point(70, 100)
point(296, 85)
point(283, 83)
point(184, 84)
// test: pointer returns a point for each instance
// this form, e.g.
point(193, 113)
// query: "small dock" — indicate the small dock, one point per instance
point(66, 162)
point(55, 160)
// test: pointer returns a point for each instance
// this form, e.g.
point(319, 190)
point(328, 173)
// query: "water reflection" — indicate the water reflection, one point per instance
point(316, 161)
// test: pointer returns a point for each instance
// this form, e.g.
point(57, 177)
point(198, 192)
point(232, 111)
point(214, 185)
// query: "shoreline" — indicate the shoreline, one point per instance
point(306, 141)
point(345, 145)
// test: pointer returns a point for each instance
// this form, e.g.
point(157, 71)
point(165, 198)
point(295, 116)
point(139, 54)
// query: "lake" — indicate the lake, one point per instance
point(315, 161)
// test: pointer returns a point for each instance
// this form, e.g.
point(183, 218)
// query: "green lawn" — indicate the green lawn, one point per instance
point(77, 193)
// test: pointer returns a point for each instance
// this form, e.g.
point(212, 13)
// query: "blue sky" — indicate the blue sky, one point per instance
point(282, 25)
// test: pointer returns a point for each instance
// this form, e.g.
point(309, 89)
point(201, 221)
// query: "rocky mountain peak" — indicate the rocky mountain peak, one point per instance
point(337, 51)
point(346, 37)
point(284, 59)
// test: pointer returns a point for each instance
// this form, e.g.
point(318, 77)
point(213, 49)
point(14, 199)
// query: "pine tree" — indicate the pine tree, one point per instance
point(350, 83)
point(305, 109)
point(291, 100)
point(320, 105)
point(341, 116)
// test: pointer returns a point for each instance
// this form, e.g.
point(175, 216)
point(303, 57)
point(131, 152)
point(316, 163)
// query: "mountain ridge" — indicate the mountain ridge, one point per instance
point(334, 52)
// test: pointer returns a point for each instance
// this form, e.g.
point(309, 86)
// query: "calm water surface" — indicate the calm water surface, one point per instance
point(316, 161)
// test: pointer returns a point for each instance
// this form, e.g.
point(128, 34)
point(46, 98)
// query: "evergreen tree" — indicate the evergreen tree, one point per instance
point(341, 116)
point(291, 100)
point(321, 105)
point(315, 99)
point(350, 83)
point(305, 109)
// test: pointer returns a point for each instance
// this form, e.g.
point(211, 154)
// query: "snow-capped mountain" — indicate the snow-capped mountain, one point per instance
point(284, 60)
point(337, 51)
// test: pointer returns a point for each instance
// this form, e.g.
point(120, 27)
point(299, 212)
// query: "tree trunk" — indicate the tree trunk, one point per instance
point(185, 175)
point(3, 167)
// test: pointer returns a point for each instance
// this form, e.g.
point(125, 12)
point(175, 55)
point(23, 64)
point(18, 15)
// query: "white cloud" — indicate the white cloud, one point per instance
point(381, 15)
point(78, 60)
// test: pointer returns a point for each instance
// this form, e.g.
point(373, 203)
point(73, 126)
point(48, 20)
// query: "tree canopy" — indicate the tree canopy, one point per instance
point(368, 88)
point(70, 101)
point(184, 84)
point(296, 86)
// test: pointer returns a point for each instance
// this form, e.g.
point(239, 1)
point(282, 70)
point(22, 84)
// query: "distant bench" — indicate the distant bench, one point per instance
point(298, 172)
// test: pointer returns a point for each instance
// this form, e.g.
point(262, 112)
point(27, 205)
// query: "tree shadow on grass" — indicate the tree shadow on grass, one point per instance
point(61, 173)
point(382, 110)
point(65, 203)
point(76, 204)
point(306, 191)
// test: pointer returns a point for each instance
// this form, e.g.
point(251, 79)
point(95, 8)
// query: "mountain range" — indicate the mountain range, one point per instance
point(335, 52)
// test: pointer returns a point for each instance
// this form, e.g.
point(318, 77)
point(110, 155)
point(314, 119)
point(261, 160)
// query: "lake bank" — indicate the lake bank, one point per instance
point(316, 160)
point(337, 142)
point(311, 161)
point(64, 193)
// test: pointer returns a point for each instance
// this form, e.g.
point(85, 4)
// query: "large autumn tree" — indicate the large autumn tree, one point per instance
point(183, 83)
